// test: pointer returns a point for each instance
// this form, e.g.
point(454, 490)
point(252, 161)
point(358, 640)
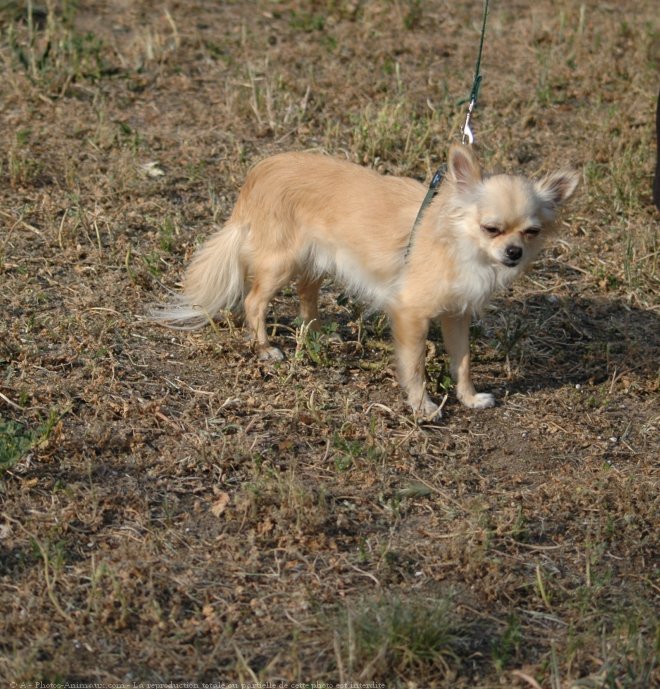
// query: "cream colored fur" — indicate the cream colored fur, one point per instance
point(304, 216)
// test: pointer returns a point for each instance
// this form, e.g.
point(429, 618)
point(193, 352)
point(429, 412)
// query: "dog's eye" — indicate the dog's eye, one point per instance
point(491, 230)
point(532, 231)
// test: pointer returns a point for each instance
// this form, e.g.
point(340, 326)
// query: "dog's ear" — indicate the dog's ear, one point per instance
point(463, 166)
point(558, 187)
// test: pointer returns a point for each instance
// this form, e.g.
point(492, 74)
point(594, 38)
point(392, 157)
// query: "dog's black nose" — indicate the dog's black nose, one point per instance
point(513, 252)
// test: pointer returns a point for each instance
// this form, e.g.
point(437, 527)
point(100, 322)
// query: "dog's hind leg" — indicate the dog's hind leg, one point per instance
point(308, 292)
point(267, 281)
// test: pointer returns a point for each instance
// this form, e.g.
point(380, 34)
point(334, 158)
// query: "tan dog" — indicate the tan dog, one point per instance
point(303, 216)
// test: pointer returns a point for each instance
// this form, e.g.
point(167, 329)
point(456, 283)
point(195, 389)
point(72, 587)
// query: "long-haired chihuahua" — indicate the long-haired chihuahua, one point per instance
point(303, 216)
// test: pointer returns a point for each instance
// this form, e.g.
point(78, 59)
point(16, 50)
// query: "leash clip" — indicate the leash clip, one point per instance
point(467, 131)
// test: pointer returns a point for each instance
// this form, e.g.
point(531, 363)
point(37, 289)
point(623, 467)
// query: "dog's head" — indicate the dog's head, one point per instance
point(508, 217)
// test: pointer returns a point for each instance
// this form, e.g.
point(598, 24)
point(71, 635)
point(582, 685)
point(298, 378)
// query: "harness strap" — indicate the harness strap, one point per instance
point(430, 195)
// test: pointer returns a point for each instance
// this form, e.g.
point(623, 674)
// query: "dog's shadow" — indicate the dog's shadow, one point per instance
point(541, 341)
point(549, 342)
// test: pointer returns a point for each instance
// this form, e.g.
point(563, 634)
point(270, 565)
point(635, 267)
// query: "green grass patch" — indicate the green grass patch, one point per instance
point(397, 636)
point(49, 49)
point(15, 441)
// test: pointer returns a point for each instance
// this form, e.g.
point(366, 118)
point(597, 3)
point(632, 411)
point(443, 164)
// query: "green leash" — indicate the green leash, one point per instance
point(476, 84)
point(467, 136)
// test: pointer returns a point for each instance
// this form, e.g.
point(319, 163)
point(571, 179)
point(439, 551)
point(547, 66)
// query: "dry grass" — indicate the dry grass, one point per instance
point(174, 510)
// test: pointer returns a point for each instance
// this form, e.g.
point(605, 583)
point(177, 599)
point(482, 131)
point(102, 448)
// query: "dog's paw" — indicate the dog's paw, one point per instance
point(480, 400)
point(270, 354)
point(427, 411)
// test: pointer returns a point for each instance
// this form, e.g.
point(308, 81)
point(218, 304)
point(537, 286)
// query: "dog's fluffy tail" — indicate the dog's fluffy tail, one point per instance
point(214, 282)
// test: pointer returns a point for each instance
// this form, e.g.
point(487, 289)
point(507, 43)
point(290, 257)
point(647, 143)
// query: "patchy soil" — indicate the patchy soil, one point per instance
point(174, 510)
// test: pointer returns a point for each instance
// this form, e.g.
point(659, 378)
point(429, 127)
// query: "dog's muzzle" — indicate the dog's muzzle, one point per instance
point(512, 255)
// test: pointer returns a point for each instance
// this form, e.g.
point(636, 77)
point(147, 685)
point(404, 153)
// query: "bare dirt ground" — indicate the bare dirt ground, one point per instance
point(174, 510)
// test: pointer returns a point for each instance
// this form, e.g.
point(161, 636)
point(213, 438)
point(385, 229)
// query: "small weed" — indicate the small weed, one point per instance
point(507, 646)
point(307, 21)
point(343, 462)
point(349, 451)
point(594, 172)
point(390, 635)
point(217, 51)
point(167, 231)
point(311, 344)
point(541, 588)
point(53, 54)
point(22, 167)
point(376, 325)
point(519, 530)
point(513, 330)
point(314, 344)
point(438, 371)
point(598, 400)
point(127, 136)
point(196, 171)
point(153, 263)
point(413, 15)
point(15, 441)
point(543, 87)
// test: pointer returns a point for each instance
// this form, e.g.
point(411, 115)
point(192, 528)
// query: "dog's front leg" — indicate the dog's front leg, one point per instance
point(409, 331)
point(456, 336)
